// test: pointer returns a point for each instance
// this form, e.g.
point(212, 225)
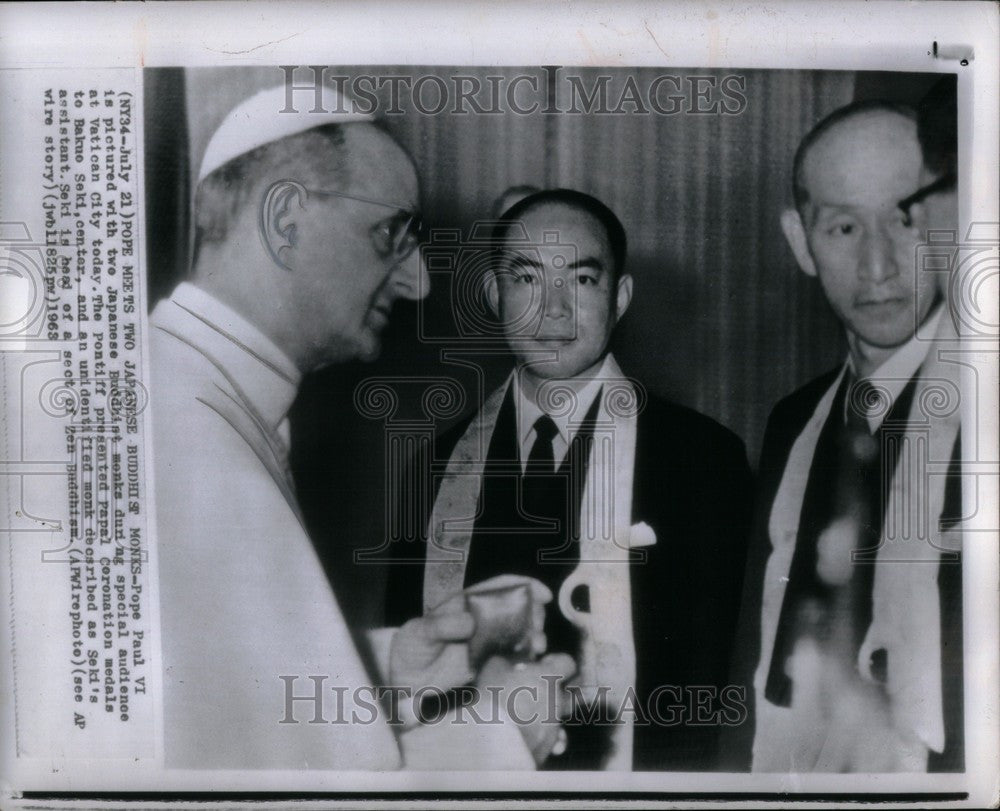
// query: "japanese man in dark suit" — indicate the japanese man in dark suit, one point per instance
point(630, 510)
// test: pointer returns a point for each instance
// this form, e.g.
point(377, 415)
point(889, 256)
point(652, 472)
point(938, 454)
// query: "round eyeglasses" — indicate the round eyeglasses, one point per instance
point(395, 237)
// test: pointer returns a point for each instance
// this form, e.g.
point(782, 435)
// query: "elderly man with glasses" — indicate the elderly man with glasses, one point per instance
point(306, 237)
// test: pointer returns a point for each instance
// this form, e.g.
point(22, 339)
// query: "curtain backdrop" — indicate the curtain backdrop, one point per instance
point(721, 321)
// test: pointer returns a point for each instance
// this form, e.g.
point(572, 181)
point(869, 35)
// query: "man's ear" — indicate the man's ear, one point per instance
point(624, 295)
point(279, 208)
point(795, 234)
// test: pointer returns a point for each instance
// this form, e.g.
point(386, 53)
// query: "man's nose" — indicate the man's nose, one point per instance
point(878, 258)
point(410, 278)
point(557, 299)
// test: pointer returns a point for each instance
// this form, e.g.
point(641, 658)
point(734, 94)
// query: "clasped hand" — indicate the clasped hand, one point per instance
point(431, 653)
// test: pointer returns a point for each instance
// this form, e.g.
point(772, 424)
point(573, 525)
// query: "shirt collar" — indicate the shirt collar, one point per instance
point(893, 375)
point(261, 371)
point(566, 420)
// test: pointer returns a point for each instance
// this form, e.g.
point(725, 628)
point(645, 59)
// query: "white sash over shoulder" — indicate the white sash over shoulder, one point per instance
point(608, 656)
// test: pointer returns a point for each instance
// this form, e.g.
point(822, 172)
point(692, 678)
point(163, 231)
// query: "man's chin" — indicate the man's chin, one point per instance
point(369, 339)
point(888, 335)
point(562, 369)
point(370, 351)
point(364, 352)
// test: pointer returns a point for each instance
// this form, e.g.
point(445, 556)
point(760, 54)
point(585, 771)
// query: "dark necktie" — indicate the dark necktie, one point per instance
point(546, 494)
point(510, 538)
point(542, 492)
point(860, 489)
point(542, 459)
point(828, 596)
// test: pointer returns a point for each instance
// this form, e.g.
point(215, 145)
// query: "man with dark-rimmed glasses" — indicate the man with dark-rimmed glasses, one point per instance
point(306, 236)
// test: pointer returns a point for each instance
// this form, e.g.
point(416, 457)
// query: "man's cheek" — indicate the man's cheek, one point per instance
point(513, 305)
point(909, 264)
point(835, 250)
point(930, 286)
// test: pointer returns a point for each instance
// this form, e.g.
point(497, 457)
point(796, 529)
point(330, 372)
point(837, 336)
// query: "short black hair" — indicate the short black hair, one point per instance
point(937, 126)
point(799, 191)
point(570, 198)
point(519, 192)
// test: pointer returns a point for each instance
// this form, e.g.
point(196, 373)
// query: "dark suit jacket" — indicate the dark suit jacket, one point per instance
point(786, 422)
point(693, 486)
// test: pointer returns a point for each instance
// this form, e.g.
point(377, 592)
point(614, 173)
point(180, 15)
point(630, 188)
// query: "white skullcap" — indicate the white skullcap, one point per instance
point(259, 120)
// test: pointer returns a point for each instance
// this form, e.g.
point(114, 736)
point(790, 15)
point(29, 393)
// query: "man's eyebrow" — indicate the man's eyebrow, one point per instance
point(524, 260)
point(943, 183)
point(826, 207)
point(591, 262)
point(819, 211)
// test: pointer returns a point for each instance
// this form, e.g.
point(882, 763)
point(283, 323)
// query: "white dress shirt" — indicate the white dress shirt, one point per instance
point(567, 420)
point(898, 370)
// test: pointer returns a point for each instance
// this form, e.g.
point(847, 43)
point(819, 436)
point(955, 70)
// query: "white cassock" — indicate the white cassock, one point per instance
point(244, 599)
